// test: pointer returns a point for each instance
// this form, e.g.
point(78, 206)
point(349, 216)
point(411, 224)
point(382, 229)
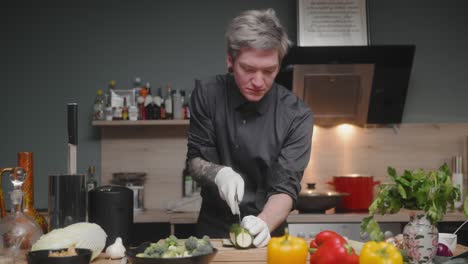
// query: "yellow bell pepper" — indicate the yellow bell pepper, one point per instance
point(380, 253)
point(287, 249)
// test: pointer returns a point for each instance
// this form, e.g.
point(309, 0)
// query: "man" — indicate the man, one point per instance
point(249, 138)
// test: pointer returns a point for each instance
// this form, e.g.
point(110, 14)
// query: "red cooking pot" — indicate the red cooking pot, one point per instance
point(360, 189)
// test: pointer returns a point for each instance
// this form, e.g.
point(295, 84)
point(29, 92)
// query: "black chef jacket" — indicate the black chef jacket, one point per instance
point(268, 143)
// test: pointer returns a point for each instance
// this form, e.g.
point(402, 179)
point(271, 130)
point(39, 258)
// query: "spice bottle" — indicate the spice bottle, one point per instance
point(457, 179)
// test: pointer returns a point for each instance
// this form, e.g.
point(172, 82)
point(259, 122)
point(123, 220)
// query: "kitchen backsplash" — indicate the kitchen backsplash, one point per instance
point(160, 152)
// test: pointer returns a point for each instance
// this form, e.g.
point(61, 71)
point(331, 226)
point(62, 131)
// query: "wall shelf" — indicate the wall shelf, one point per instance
point(173, 122)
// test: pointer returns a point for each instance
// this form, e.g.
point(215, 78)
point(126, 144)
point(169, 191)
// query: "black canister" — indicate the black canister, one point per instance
point(67, 200)
point(111, 207)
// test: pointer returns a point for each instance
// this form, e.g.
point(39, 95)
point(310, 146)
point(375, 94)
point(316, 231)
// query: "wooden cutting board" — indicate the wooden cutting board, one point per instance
point(233, 255)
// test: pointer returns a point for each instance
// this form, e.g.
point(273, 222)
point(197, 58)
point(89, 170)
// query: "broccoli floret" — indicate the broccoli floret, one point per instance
point(180, 250)
point(204, 241)
point(203, 250)
point(172, 241)
point(169, 254)
point(191, 243)
point(155, 249)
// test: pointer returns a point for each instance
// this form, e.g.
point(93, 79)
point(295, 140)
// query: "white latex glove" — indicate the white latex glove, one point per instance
point(257, 228)
point(230, 184)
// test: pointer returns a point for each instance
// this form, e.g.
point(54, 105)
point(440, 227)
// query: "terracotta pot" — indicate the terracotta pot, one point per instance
point(360, 189)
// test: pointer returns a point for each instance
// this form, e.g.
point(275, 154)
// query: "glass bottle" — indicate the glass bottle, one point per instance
point(177, 105)
point(149, 103)
point(184, 105)
point(168, 102)
point(18, 230)
point(125, 109)
point(162, 105)
point(26, 161)
point(136, 90)
point(99, 106)
point(91, 182)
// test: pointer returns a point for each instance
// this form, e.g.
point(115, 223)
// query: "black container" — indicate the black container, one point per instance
point(111, 207)
point(131, 254)
point(67, 200)
point(42, 257)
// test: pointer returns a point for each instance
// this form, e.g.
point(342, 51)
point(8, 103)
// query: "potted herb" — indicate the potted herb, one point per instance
point(428, 194)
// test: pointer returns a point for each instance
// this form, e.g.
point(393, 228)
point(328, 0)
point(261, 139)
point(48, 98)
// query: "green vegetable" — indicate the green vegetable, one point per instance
point(240, 237)
point(172, 247)
point(191, 243)
point(430, 191)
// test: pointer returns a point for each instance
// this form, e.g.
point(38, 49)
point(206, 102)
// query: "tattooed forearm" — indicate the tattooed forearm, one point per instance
point(202, 170)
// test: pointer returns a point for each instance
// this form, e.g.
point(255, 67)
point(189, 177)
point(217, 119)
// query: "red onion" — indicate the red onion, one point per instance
point(443, 250)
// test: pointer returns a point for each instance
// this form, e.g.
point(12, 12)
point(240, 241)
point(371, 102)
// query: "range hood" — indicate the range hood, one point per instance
point(352, 84)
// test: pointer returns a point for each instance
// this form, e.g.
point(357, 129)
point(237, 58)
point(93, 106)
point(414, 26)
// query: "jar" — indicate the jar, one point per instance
point(133, 113)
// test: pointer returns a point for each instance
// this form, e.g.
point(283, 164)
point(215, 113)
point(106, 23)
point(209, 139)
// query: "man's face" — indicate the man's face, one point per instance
point(254, 71)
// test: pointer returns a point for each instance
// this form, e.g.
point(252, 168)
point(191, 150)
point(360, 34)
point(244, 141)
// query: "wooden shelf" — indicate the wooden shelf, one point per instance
point(174, 122)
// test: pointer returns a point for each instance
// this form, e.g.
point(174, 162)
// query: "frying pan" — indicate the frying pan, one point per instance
point(313, 201)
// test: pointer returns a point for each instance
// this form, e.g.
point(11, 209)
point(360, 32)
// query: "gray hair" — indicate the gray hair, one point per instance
point(258, 29)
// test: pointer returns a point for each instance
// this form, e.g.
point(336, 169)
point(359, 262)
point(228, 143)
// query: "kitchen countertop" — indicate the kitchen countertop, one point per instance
point(228, 255)
point(162, 216)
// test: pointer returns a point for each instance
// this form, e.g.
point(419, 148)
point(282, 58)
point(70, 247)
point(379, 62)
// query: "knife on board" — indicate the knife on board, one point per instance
point(72, 120)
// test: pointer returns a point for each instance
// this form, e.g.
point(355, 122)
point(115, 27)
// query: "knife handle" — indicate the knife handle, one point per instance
point(72, 119)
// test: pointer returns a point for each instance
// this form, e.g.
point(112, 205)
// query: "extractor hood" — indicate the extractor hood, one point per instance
point(351, 84)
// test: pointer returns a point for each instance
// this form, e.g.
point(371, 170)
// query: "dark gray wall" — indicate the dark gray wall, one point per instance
point(53, 54)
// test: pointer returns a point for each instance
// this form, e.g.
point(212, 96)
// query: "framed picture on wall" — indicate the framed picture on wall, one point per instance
point(332, 23)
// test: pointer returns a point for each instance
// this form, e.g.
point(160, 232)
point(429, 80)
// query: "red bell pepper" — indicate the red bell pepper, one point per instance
point(324, 236)
point(331, 248)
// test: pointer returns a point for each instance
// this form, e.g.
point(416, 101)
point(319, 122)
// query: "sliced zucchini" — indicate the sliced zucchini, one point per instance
point(240, 237)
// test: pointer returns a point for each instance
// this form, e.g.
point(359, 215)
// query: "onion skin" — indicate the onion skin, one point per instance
point(443, 250)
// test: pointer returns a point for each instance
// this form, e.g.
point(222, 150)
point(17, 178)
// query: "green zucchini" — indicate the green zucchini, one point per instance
point(240, 237)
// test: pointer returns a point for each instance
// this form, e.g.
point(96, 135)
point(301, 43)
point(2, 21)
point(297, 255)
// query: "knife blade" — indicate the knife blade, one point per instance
point(72, 119)
point(238, 207)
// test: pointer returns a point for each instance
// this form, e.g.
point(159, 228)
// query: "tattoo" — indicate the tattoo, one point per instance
point(203, 171)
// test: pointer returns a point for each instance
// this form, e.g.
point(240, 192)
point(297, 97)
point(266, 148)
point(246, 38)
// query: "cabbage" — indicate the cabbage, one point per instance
point(80, 235)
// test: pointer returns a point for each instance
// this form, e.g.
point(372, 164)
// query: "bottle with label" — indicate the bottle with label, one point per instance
point(117, 113)
point(136, 90)
point(141, 103)
point(133, 113)
point(457, 179)
point(159, 100)
point(99, 106)
point(184, 105)
point(168, 102)
point(177, 105)
point(125, 109)
point(188, 105)
point(149, 104)
point(188, 185)
point(91, 182)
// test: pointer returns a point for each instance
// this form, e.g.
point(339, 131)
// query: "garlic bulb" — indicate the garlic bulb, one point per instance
point(116, 250)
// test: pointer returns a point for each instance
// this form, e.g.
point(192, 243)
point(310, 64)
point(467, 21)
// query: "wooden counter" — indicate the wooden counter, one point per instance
point(228, 255)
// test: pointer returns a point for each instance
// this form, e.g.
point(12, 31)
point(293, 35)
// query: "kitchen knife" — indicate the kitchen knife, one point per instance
point(72, 120)
point(238, 207)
